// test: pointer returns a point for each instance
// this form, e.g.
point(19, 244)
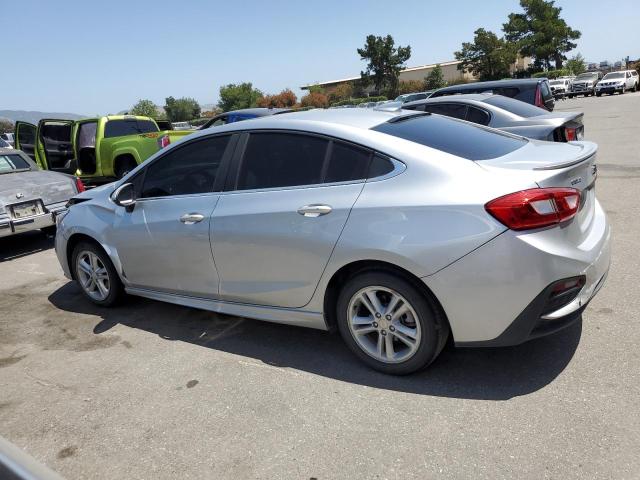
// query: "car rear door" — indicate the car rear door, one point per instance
point(55, 145)
point(163, 243)
point(289, 198)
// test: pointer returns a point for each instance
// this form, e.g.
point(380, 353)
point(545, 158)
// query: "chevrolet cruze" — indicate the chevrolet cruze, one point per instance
point(400, 229)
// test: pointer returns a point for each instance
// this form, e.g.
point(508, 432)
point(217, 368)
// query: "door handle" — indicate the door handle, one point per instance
point(191, 218)
point(314, 211)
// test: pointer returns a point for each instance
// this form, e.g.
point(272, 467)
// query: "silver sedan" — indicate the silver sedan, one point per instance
point(400, 229)
point(31, 198)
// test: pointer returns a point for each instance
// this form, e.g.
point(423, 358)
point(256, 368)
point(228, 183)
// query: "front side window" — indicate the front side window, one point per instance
point(186, 170)
point(281, 160)
point(121, 128)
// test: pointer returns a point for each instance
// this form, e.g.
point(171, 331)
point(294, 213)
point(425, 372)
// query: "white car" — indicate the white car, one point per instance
point(618, 82)
point(7, 137)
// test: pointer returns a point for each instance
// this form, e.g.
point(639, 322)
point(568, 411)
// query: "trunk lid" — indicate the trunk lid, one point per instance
point(551, 164)
point(20, 187)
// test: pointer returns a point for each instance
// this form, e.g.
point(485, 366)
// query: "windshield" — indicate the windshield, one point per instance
point(586, 76)
point(609, 76)
point(452, 136)
point(11, 163)
point(517, 107)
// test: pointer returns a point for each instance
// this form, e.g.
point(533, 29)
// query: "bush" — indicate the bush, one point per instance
point(410, 86)
point(551, 74)
point(315, 100)
point(285, 99)
point(358, 101)
point(199, 121)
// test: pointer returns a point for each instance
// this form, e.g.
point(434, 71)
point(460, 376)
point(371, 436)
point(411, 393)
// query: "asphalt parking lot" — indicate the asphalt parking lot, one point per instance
point(151, 390)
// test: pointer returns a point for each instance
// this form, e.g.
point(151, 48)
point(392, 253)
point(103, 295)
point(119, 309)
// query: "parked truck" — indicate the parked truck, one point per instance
point(95, 149)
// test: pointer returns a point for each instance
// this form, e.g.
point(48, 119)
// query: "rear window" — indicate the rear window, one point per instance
point(121, 128)
point(515, 106)
point(452, 136)
point(9, 163)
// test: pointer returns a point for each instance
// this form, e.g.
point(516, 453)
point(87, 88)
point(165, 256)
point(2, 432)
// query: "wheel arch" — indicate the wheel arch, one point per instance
point(73, 241)
point(124, 156)
point(354, 268)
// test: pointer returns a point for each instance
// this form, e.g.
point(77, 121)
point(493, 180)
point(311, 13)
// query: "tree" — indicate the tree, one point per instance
point(410, 86)
point(6, 126)
point(435, 79)
point(315, 99)
point(576, 64)
point(236, 96)
point(488, 57)
point(539, 32)
point(316, 89)
point(285, 99)
point(385, 62)
point(145, 108)
point(181, 109)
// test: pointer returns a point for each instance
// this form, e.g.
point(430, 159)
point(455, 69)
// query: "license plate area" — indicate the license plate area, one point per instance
point(28, 209)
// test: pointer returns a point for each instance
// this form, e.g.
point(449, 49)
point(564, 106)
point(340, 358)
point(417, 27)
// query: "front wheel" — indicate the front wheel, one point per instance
point(96, 274)
point(623, 90)
point(389, 323)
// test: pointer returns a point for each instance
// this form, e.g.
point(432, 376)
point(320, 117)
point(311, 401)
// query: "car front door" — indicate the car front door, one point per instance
point(163, 243)
point(274, 231)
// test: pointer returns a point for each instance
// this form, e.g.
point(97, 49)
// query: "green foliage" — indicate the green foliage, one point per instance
point(316, 89)
point(285, 99)
point(199, 121)
point(358, 101)
point(410, 86)
point(344, 91)
point(539, 32)
point(6, 126)
point(385, 62)
point(551, 74)
point(488, 57)
point(435, 79)
point(576, 64)
point(236, 96)
point(145, 108)
point(181, 109)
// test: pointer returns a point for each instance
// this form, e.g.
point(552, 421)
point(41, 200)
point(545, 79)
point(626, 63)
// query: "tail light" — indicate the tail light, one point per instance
point(570, 134)
point(164, 141)
point(79, 185)
point(539, 102)
point(535, 208)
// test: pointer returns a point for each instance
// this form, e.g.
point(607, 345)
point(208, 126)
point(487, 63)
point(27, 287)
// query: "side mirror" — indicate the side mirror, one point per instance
point(125, 196)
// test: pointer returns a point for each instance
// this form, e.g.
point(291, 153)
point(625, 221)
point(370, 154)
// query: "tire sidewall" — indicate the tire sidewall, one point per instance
point(430, 331)
point(114, 280)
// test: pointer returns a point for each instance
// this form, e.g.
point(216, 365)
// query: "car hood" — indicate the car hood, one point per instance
point(51, 187)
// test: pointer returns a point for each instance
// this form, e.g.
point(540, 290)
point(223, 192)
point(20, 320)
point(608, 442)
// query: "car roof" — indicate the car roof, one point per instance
point(258, 112)
point(10, 151)
point(476, 97)
point(364, 118)
point(491, 84)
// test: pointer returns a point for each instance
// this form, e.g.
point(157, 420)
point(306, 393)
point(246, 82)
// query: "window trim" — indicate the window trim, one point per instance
point(218, 185)
point(233, 176)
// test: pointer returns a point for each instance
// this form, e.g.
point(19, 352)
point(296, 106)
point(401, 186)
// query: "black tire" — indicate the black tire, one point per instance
point(116, 290)
point(49, 231)
point(598, 94)
point(623, 90)
point(434, 327)
point(124, 166)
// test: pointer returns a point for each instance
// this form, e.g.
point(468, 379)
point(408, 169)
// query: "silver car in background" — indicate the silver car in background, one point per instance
point(30, 198)
point(399, 229)
point(507, 114)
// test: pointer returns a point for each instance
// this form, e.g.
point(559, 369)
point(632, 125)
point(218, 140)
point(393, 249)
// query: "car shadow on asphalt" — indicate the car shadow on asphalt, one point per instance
point(487, 373)
point(23, 244)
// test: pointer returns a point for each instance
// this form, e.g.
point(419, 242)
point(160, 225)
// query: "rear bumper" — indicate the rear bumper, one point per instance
point(497, 295)
point(10, 226)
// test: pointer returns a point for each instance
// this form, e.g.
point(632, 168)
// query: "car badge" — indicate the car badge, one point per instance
point(19, 195)
point(576, 181)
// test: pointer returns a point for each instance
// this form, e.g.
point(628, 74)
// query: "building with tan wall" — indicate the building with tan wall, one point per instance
point(450, 73)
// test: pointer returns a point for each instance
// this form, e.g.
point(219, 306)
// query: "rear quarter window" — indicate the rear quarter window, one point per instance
point(452, 136)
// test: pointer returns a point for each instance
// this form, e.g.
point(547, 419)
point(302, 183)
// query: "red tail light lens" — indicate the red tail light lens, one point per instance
point(539, 102)
point(570, 134)
point(164, 141)
point(79, 185)
point(535, 208)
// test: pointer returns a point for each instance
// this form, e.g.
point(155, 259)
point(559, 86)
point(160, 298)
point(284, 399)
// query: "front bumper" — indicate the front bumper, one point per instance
point(609, 89)
point(9, 226)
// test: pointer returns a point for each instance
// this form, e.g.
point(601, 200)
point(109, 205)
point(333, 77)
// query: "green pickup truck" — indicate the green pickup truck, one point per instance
point(95, 149)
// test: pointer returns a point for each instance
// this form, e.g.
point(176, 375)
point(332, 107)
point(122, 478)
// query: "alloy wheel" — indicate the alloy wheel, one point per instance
point(384, 324)
point(93, 275)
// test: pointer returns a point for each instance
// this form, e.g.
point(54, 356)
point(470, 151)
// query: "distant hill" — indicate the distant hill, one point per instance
point(34, 117)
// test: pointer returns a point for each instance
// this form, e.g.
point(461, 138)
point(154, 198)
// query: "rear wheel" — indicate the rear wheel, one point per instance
point(124, 165)
point(389, 323)
point(96, 274)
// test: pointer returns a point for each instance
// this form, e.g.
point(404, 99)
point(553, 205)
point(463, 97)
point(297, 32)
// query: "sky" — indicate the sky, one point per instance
point(95, 58)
